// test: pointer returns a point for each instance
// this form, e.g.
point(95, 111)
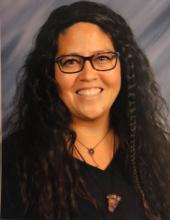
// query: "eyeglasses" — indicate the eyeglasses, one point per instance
point(75, 63)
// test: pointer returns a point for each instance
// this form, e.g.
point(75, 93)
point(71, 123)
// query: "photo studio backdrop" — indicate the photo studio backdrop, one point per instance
point(21, 20)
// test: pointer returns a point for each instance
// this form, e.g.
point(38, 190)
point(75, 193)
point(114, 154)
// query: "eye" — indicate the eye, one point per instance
point(69, 61)
point(103, 58)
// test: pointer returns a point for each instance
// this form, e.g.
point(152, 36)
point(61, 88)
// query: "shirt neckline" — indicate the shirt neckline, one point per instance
point(91, 167)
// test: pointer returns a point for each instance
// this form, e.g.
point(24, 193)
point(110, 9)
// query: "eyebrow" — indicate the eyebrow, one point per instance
point(94, 52)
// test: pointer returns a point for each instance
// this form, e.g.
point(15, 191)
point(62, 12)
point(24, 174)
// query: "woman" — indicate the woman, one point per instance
point(88, 137)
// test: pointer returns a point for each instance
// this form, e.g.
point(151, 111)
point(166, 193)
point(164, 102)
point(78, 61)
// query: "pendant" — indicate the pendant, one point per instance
point(113, 202)
point(91, 151)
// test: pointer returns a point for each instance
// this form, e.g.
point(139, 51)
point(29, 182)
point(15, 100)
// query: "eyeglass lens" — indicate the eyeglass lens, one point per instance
point(75, 63)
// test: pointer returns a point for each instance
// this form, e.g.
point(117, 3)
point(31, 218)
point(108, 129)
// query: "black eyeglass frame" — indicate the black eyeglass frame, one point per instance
point(84, 58)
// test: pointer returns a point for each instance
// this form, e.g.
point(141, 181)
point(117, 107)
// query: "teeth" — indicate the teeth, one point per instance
point(89, 92)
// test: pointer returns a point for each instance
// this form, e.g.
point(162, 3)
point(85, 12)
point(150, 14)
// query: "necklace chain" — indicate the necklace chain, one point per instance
point(91, 150)
point(113, 200)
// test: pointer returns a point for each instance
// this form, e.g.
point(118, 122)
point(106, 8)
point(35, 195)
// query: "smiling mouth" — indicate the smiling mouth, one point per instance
point(89, 92)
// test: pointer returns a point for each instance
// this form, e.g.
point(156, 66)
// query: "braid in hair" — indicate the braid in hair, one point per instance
point(132, 122)
point(131, 163)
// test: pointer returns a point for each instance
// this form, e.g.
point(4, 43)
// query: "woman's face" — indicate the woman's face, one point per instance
point(88, 94)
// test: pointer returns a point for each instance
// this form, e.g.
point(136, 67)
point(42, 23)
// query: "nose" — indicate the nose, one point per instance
point(88, 73)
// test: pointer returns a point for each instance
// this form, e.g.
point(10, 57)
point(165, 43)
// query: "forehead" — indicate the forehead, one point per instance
point(83, 37)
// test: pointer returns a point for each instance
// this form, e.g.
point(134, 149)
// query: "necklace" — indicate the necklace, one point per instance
point(91, 150)
point(113, 200)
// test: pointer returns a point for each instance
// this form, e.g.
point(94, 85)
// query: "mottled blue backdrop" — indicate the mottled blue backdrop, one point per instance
point(21, 20)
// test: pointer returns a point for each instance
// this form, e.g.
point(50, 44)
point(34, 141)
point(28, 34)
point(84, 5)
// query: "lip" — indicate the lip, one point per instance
point(88, 88)
point(78, 92)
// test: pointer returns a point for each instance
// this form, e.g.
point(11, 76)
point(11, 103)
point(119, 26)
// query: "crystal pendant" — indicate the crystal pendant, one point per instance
point(91, 151)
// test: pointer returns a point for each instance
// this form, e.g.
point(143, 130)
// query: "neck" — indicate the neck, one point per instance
point(94, 135)
point(93, 129)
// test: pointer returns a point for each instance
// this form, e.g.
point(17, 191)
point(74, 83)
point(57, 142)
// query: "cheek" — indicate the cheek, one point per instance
point(114, 79)
point(65, 82)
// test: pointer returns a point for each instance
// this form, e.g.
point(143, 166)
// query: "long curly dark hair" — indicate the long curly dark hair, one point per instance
point(49, 176)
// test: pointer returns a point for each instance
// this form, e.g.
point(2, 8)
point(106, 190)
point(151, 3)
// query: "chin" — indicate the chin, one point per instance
point(91, 115)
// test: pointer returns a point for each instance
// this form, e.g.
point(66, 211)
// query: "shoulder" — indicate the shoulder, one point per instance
point(10, 152)
point(12, 146)
point(11, 198)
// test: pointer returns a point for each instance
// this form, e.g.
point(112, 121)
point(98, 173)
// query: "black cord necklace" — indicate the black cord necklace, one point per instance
point(91, 150)
point(113, 200)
